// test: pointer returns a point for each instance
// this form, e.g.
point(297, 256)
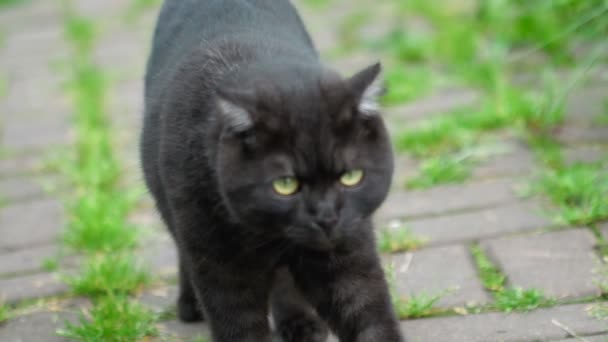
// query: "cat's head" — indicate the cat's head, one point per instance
point(303, 153)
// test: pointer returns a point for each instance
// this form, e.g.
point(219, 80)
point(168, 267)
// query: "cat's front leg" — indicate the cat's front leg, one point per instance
point(351, 293)
point(235, 303)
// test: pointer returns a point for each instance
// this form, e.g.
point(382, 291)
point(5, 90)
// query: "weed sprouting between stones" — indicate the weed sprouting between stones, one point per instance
point(4, 312)
point(417, 306)
point(506, 299)
point(491, 277)
point(113, 318)
point(99, 206)
point(398, 238)
point(109, 273)
point(578, 191)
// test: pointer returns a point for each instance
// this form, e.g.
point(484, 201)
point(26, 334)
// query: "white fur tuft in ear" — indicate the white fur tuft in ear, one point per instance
point(368, 104)
point(236, 117)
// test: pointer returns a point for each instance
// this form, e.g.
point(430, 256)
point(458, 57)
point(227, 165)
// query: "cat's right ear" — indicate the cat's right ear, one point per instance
point(234, 110)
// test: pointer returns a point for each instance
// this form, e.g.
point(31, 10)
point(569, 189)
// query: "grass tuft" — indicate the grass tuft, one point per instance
point(518, 299)
point(421, 305)
point(109, 273)
point(491, 278)
point(440, 170)
point(113, 318)
point(601, 276)
point(579, 191)
point(399, 239)
point(4, 312)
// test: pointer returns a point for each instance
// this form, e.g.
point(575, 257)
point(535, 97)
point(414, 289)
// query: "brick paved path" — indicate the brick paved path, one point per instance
point(515, 233)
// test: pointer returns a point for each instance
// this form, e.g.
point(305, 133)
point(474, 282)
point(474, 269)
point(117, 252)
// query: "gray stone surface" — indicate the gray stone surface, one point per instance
point(436, 104)
point(159, 298)
point(161, 254)
point(584, 153)
point(558, 263)
point(184, 331)
point(21, 164)
point(26, 260)
point(580, 135)
point(30, 223)
point(21, 188)
point(475, 225)
point(437, 270)
point(595, 338)
point(36, 327)
point(518, 161)
point(14, 290)
point(448, 198)
point(584, 104)
point(35, 134)
point(499, 327)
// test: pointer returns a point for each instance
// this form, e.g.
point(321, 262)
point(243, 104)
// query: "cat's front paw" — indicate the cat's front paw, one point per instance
point(302, 329)
point(188, 310)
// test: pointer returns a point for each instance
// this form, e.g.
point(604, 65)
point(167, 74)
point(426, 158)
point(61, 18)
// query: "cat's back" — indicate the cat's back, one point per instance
point(185, 25)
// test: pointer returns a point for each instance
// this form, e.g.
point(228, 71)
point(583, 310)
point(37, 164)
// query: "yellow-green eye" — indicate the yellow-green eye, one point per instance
point(286, 185)
point(352, 177)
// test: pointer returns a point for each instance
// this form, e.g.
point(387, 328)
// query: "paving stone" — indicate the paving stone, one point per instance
point(36, 97)
point(426, 272)
point(14, 290)
point(40, 326)
point(585, 104)
point(559, 263)
point(580, 135)
point(447, 198)
point(475, 225)
point(17, 18)
point(596, 338)
point(584, 153)
point(26, 260)
point(30, 223)
point(184, 331)
point(160, 298)
point(519, 161)
point(21, 164)
point(433, 105)
point(161, 255)
point(37, 133)
point(532, 326)
point(20, 189)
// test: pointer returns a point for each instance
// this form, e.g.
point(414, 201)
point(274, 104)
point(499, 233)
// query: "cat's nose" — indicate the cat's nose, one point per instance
point(327, 224)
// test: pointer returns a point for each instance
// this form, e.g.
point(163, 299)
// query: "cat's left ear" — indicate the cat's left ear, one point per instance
point(368, 86)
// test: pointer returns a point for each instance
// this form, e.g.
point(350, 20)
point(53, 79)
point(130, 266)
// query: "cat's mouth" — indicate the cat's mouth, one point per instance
point(311, 237)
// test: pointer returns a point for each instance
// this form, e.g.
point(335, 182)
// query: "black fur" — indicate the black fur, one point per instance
point(236, 97)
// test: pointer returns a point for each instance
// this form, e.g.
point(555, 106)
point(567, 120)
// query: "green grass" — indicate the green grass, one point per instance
point(113, 319)
point(599, 311)
point(578, 191)
point(50, 264)
point(601, 276)
point(6, 3)
point(99, 221)
point(506, 299)
point(4, 313)
point(109, 273)
point(399, 239)
point(99, 205)
point(518, 299)
point(405, 83)
point(421, 305)
point(440, 170)
point(491, 277)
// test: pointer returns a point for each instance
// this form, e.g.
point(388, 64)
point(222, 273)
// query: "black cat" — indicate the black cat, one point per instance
point(266, 167)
